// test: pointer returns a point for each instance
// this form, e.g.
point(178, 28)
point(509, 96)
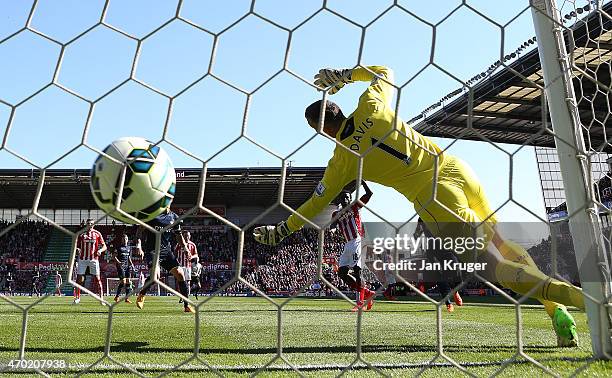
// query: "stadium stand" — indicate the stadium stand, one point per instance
point(282, 270)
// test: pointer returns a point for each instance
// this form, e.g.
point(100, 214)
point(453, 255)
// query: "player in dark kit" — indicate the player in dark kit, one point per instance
point(125, 267)
point(167, 260)
point(10, 283)
point(445, 279)
point(35, 282)
point(196, 270)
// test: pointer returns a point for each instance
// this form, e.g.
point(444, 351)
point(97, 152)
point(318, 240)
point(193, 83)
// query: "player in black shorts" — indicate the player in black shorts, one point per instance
point(35, 282)
point(125, 267)
point(196, 270)
point(10, 283)
point(446, 279)
point(167, 260)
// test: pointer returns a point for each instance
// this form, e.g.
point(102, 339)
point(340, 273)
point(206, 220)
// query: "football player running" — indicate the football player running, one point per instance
point(167, 260)
point(125, 266)
point(446, 193)
point(349, 224)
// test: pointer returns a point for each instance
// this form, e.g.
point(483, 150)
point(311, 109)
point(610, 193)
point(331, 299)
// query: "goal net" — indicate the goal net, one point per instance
point(192, 77)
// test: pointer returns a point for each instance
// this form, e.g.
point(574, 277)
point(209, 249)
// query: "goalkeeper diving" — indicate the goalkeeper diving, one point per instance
point(453, 204)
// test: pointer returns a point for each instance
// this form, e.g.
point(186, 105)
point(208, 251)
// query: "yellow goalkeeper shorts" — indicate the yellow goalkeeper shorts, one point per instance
point(459, 201)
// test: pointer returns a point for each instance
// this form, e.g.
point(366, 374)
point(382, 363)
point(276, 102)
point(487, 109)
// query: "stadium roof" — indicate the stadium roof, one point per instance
point(508, 108)
point(69, 188)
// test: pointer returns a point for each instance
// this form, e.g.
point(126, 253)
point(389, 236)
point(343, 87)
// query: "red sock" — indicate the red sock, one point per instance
point(361, 293)
point(78, 292)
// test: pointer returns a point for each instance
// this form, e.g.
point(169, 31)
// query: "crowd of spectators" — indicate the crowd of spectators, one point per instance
point(215, 246)
point(542, 254)
point(285, 269)
point(25, 242)
point(292, 266)
point(15, 281)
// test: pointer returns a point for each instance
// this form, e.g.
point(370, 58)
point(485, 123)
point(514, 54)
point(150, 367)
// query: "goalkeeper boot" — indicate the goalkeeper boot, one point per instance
point(357, 306)
point(450, 307)
point(140, 301)
point(116, 299)
point(457, 298)
point(565, 328)
point(127, 300)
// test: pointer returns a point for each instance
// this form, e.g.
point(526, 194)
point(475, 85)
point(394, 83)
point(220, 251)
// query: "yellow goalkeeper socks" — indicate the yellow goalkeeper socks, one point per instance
point(515, 253)
point(522, 278)
point(551, 307)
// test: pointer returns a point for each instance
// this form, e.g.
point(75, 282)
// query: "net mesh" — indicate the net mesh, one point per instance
point(591, 69)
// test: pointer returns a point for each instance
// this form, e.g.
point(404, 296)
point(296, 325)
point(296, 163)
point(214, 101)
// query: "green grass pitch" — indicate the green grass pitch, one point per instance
point(238, 335)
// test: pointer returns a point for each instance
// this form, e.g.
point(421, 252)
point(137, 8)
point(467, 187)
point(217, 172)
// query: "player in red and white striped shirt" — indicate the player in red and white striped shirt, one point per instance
point(186, 257)
point(349, 224)
point(90, 245)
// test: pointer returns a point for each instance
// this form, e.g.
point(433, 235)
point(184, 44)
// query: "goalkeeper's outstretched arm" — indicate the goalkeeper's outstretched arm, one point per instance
point(343, 166)
point(380, 90)
point(338, 174)
point(380, 78)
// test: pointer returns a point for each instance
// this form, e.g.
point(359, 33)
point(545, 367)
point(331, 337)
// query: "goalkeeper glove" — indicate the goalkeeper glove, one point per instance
point(330, 77)
point(271, 235)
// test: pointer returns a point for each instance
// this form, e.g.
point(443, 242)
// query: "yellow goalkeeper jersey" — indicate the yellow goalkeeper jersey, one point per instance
point(397, 157)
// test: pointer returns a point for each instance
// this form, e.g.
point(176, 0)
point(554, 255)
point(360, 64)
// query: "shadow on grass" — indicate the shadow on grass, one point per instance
point(143, 347)
point(289, 309)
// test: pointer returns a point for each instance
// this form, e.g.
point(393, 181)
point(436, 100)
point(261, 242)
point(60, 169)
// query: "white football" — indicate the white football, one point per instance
point(150, 181)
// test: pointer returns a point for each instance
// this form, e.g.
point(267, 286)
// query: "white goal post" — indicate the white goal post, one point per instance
point(584, 223)
point(100, 95)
